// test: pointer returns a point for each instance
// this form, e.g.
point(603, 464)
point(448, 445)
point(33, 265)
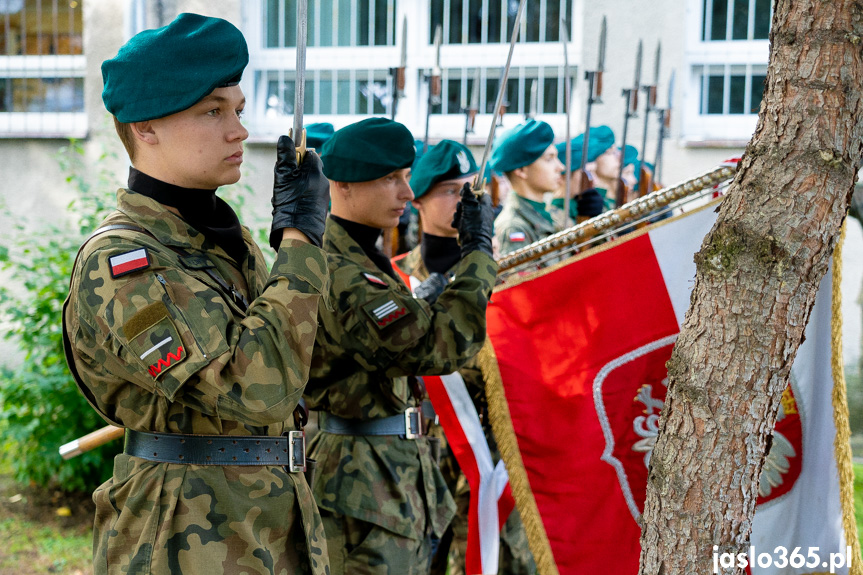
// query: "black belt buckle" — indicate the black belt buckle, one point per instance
point(413, 423)
point(297, 451)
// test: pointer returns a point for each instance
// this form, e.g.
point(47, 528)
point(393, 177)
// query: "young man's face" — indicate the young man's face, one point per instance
point(608, 164)
point(202, 146)
point(437, 207)
point(377, 203)
point(545, 174)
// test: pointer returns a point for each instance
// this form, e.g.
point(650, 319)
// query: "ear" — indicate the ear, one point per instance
point(145, 132)
point(519, 173)
point(342, 189)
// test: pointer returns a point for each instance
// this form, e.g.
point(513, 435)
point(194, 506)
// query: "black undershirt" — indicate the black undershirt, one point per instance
point(367, 238)
point(439, 254)
point(201, 209)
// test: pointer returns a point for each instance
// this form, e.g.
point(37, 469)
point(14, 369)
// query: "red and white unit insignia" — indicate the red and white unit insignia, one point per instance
point(129, 262)
point(388, 313)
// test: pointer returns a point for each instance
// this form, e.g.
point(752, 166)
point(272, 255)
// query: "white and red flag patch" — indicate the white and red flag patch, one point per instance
point(375, 280)
point(517, 237)
point(129, 262)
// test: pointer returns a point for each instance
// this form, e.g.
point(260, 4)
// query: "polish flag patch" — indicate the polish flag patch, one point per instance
point(375, 280)
point(517, 237)
point(129, 262)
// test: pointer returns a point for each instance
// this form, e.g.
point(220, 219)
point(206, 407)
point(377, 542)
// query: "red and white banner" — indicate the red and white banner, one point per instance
point(491, 499)
point(581, 352)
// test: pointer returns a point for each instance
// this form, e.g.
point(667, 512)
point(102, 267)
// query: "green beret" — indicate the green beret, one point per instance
point(167, 70)
point(448, 160)
point(630, 155)
point(521, 146)
point(368, 150)
point(419, 146)
point(601, 139)
point(318, 134)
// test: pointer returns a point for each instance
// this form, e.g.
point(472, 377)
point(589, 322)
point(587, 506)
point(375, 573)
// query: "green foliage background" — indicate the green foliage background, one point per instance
point(40, 405)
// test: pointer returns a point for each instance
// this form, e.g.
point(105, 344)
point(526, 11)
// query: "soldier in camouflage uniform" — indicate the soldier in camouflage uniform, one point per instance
point(173, 327)
point(527, 156)
point(381, 494)
point(436, 181)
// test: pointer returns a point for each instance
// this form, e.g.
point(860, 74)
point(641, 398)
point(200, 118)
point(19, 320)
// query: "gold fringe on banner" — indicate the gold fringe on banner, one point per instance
point(842, 442)
point(507, 443)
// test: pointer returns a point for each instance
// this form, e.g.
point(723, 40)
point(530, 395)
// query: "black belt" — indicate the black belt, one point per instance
point(288, 450)
point(408, 424)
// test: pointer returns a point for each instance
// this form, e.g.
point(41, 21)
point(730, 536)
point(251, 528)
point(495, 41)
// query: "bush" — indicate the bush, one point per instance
point(40, 406)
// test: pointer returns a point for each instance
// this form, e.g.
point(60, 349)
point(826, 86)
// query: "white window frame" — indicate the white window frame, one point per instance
point(411, 110)
point(42, 124)
point(719, 130)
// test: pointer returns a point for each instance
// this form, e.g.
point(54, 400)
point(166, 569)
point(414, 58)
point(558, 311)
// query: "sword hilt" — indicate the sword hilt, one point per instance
point(300, 145)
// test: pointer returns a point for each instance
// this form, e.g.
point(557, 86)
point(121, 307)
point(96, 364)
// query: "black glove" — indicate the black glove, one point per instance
point(589, 203)
point(301, 194)
point(432, 287)
point(474, 220)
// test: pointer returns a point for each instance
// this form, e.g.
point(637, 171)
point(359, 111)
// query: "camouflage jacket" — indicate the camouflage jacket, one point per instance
point(360, 371)
point(519, 224)
point(412, 265)
point(161, 348)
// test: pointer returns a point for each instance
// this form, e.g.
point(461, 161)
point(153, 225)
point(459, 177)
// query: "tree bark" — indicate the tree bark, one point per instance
point(757, 276)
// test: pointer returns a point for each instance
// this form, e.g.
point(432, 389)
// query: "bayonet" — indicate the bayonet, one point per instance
point(532, 107)
point(631, 97)
point(398, 73)
point(298, 134)
point(477, 185)
point(434, 84)
point(567, 103)
point(664, 127)
point(594, 91)
point(645, 181)
point(473, 109)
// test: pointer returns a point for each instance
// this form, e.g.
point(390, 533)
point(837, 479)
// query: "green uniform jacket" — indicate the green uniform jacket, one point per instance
point(360, 371)
point(221, 371)
point(519, 225)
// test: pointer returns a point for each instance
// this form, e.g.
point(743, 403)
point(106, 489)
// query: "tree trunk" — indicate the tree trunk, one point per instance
point(757, 275)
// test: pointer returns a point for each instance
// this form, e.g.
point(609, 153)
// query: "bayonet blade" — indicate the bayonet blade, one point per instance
point(671, 91)
point(474, 97)
point(656, 61)
point(438, 40)
point(404, 56)
point(534, 92)
point(636, 85)
point(603, 33)
point(477, 185)
point(298, 134)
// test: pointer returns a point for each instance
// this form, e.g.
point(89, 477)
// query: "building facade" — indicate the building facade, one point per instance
point(716, 51)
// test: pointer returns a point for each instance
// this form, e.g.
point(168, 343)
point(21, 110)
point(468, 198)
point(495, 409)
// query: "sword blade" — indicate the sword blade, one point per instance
point(477, 186)
point(300, 84)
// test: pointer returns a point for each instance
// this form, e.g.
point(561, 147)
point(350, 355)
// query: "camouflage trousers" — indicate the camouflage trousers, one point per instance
point(358, 547)
point(515, 557)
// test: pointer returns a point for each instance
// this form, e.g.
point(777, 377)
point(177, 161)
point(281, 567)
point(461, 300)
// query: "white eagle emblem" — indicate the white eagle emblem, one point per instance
point(463, 162)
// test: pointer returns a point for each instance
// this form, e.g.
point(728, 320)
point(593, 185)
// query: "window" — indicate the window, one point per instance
point(491, 21)
point(736, 20)
point(348, 23)
point(352, 52)
point(458, 84)
point(41, 68)
point(727, 57)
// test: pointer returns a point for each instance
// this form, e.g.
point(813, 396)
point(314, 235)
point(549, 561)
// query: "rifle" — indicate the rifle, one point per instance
point(398, 73)
point(471, 112)
point(567, 95)
point(594, 96)
point(664, 128)
point(631, 97)
point(434, 83)
point(645, 178)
